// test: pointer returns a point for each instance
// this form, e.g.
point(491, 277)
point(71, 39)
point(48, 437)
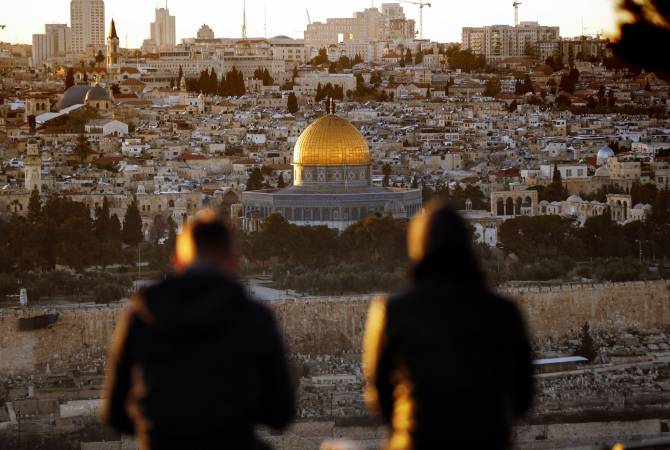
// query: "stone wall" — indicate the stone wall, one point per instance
point(330, 325)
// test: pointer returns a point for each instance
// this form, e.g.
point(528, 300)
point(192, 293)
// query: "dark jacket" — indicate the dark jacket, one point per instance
point(447, 362)
point(197, 364)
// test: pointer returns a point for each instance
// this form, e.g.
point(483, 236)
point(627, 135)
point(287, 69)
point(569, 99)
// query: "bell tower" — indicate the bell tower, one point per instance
point(32, 168)
point(112, 46)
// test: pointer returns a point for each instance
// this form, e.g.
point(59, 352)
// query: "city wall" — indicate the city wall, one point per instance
point(80, 336)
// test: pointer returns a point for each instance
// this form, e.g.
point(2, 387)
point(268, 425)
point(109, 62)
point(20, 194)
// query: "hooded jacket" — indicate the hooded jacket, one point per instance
point(196, 364)
point(447, 362)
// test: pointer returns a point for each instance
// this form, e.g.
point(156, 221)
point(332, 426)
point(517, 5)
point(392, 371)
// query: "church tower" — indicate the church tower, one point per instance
point(32, 168)
point(112, 46)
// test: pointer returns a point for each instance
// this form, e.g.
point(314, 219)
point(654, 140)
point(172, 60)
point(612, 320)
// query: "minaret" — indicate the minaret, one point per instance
point(32, 168)
point(112, 46)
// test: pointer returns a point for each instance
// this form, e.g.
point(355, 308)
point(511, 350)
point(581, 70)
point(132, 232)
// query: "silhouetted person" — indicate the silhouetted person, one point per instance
point(447, 362)
point(195, 363)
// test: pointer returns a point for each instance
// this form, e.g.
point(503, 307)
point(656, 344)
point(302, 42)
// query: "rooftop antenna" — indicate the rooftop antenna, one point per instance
point(244, 19)
point(265, 19)
point(126, 40)
point(516, 13)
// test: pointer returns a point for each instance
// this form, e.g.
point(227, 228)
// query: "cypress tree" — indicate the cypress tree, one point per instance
point(132, 225)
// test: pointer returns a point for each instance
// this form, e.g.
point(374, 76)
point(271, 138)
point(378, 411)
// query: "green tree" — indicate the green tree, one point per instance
point(555, 191)
point(132, 225)
point(82, 148)
point(320, 58)
point(101, 223)
point(292, 103)
point(69, 78)
point(418, 59)
point(99, 57)
point(280, 181)
point(255, 181)
point(34, 206)
point(493, 87)
point(587, 346)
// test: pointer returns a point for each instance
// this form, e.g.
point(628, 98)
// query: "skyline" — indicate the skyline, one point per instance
point(440, 24)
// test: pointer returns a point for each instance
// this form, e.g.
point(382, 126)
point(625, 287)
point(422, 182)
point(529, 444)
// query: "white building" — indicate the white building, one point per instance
point(55, 42)
point(88, 25)
point(503, 41)
point(163, 29)
point(366, 26)
point(107, 127)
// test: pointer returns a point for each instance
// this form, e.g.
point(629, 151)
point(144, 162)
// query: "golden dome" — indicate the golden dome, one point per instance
point(331, 141)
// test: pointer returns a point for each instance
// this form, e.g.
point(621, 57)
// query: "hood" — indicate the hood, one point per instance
point(196, 302)
point(448, 254)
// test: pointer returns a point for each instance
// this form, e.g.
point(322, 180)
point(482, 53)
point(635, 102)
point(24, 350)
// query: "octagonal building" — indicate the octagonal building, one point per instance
point(332, 183)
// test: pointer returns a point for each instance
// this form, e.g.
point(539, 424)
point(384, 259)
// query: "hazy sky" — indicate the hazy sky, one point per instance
point(442, 22)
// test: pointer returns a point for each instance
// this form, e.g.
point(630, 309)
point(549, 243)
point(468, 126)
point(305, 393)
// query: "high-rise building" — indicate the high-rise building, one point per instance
point(88, 25)
point(366, 26)
point(163, 29)
point(55, 42)
point(496, 42)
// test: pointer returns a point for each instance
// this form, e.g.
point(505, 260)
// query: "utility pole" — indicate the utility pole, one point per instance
point(139, 265)
point(244, 19)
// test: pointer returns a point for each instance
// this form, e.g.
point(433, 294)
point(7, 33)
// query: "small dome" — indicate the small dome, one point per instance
point(602, 171)
point(605, 152)
point(96, 93)
point(331, 141)
point(74, 95)
point(575, 199)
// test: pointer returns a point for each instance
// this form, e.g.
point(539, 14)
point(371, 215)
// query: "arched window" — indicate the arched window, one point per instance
point(509, 207)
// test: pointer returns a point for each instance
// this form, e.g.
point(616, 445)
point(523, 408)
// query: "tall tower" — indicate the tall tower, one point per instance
point(32, 168)
point(112, 46)
point(87, 18)
point(164, 30)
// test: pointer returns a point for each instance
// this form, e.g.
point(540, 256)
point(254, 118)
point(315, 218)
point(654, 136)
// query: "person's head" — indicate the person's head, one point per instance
point(439, 244)
point(205, 238)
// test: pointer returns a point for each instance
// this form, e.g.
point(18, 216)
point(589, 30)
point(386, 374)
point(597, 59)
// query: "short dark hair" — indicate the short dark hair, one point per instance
point(211, 237)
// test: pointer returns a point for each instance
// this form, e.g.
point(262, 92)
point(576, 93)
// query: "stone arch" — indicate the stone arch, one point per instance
point(509, 206)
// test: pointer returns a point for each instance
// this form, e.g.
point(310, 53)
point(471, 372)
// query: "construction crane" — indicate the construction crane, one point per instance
point(516, 13)
point(420, 4)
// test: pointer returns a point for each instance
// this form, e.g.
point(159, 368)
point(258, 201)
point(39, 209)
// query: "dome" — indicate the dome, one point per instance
point(605, 152)
point(74, 95)
point(96, 93)
point(331, 141)
point(575, 199)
